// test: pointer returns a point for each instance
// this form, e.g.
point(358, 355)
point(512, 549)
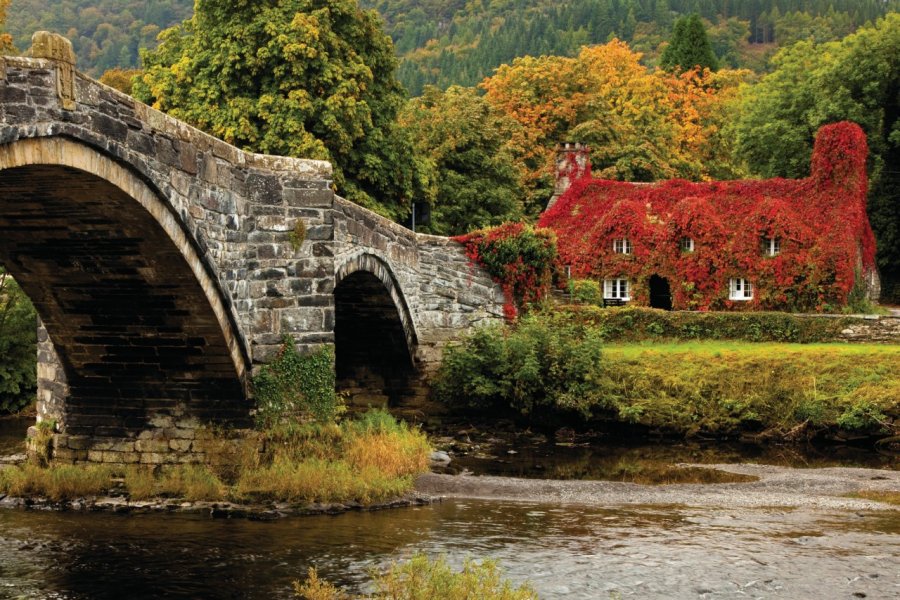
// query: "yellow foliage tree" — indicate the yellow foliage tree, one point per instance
point(641, 124)
point(6, 43)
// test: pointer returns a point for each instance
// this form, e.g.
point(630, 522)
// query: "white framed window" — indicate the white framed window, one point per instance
point(740, 289)
point(616, 289)
point(687, 244)
point(772, 246)
point(622, 246)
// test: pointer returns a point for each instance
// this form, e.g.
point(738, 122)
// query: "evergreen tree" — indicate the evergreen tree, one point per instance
point(689, 47)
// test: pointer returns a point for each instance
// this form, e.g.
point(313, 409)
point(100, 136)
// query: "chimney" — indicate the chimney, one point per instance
point(573, 161)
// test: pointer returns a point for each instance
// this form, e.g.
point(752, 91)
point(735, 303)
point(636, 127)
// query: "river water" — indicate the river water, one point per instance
point(563, 551)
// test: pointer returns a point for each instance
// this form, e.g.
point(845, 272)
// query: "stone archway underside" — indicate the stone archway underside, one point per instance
point(371, 348)
point(135, 330)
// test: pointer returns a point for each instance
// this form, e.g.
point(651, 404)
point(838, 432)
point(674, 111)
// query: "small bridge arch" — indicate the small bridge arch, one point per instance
point(374, 332)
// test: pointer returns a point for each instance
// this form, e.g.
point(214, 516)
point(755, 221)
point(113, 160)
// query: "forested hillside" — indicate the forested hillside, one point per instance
point(105, 33)
point(445, 42)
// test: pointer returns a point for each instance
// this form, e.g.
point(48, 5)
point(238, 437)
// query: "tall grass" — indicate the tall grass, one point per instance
point(423, 578)
point(366, 460)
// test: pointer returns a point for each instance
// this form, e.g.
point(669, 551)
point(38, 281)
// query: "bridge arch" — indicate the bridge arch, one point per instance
point(375, 335)
point(141, 326)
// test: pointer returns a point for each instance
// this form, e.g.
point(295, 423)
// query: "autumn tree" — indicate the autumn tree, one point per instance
point(120, 79)
point(689, 47)
point(641, 125)
point(6, 42)
point(475, 179)
point(304, 78)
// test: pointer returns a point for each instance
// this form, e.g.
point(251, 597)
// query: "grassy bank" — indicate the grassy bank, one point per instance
point(726, 387)
point(370, 459)
point(562, 368)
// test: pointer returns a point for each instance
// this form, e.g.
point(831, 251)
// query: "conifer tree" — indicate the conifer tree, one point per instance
point(689, 47)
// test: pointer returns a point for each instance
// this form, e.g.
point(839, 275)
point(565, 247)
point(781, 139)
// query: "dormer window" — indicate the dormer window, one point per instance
point(772, 246)
point(740, 289)
point(622, 246)
point(687, 244)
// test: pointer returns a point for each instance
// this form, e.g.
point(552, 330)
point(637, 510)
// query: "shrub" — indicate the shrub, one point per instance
point(520, 258)
point(533, 367)
point(296, 386)
point(633, 323)
point(421, 577)
point(586, 291)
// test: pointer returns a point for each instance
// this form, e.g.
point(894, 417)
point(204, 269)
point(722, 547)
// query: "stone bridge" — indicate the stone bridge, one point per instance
point(166, 265)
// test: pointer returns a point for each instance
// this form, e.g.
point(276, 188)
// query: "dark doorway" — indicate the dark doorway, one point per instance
point(372, 358)
point(660, 293)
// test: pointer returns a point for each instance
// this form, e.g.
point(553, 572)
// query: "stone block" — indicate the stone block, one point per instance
point(145, 446)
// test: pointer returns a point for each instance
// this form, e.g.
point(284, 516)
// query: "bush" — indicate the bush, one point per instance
point(631, 324)
point(534, 367)
point(586, 291)
point(18, 347)
point(421, 577)
point(296, 386)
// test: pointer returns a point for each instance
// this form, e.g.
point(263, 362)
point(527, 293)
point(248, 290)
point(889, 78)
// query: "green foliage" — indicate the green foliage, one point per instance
point(421, 577)
point(104, 33)
point(586, 291)
point(303, 78)
point(723, 389)
point(533, 368)
point(689, 47)
point(18, 351)
point(855, 79)
point(631, 324)
point(295, 386)
point(462, 142)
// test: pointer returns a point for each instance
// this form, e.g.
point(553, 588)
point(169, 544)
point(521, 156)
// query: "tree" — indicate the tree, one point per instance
point(303, 78)
point(6, 43)
point(120, 79)
point(689, 47)
point(475, 177)
point(18, 354)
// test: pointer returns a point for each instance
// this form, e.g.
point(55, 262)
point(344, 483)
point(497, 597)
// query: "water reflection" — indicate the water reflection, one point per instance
point(566, 552)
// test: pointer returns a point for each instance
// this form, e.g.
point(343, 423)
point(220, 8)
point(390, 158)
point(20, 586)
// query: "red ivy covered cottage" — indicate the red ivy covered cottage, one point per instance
point(779, 244)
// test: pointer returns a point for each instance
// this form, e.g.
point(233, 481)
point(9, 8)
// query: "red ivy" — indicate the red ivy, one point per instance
point(820, 222)
point(520, 258)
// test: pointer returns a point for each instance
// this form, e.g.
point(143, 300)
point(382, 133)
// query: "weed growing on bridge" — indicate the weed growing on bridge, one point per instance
point(296, 387)
point(421, 577)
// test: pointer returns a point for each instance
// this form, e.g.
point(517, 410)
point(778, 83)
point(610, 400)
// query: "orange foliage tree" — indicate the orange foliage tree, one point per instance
point(641, 124)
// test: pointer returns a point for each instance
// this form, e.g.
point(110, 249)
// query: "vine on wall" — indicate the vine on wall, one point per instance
point(521, 258)
point(825, 241)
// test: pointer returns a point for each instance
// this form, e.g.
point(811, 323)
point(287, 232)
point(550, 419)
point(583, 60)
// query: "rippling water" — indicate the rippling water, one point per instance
point(565, 552)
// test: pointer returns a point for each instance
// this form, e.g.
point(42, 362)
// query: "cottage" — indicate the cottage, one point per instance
point(775, 244)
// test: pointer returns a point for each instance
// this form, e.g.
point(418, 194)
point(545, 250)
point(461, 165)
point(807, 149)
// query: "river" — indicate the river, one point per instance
point(571, 551)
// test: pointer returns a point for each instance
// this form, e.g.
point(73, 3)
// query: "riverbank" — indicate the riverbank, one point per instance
point(826, 488)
